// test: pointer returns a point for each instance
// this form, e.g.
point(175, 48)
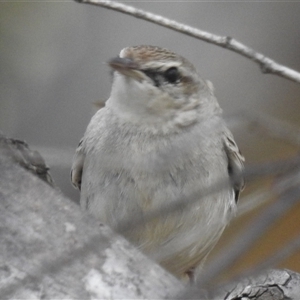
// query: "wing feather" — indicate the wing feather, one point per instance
point(235, 163)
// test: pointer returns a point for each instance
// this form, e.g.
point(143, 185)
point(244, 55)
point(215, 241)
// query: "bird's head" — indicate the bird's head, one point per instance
point(153, 84)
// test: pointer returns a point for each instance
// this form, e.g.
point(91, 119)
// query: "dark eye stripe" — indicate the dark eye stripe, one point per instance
point(171, 75)
point(154, 75)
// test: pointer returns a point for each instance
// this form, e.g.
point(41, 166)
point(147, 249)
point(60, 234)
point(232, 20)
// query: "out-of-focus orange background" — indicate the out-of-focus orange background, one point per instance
point(52, 70)
point(279, 233)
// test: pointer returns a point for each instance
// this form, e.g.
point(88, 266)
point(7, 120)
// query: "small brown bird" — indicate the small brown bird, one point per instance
point(160, 137)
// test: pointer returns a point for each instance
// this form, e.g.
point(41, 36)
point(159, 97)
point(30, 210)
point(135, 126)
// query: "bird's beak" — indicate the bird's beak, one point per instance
point(126, 67)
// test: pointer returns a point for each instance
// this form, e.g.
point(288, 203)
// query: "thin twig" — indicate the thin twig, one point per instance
point(266, 64)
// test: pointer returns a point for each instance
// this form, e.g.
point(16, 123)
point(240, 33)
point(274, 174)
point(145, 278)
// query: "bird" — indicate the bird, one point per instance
point(160, 137)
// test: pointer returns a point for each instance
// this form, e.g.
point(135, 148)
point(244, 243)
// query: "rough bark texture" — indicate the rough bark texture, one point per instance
point(18, 152)
point(272, 285)
point(50, 249)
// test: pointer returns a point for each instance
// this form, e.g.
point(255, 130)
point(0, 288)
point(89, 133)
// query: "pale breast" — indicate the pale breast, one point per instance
point(127, 173)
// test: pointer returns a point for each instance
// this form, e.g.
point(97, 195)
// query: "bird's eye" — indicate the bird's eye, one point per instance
point(172, 75)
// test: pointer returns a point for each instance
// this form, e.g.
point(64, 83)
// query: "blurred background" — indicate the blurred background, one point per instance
point(53, 70)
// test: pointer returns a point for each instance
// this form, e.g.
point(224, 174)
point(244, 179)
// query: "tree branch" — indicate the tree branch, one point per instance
point(50, 249)
point(272, 284)
point(266, 64)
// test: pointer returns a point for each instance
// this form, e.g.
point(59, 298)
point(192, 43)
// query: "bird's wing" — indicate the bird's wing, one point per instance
point(77, 166)
point(235, 163)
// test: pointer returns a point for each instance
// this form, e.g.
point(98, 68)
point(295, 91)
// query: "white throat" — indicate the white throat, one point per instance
point(141, 102)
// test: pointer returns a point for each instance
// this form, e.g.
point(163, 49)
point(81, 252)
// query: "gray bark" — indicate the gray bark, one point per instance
point(269, 285)
point(272, 285)
point(50, 249)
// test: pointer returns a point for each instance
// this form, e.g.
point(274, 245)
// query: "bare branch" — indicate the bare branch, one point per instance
point(271, 284)
point(266, 64)
point(50, 250)
point(75, 250)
